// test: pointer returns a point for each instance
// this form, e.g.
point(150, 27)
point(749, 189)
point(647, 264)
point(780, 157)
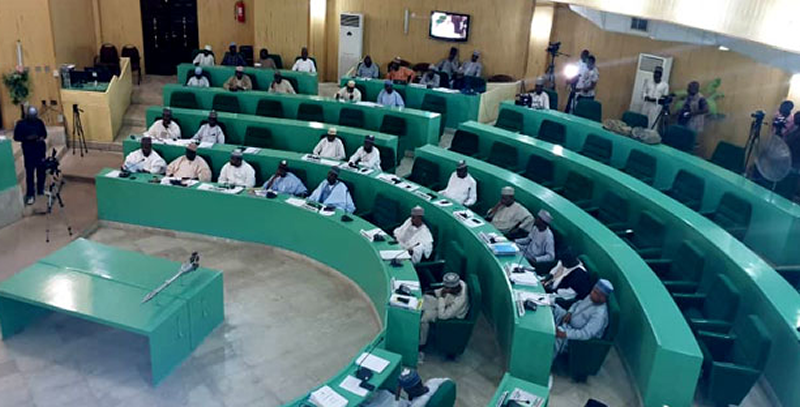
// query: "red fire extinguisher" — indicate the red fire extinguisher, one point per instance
point(238, 10)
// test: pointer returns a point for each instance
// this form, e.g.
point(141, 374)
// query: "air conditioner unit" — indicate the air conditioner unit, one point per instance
point(644, 71)
point(351, 41)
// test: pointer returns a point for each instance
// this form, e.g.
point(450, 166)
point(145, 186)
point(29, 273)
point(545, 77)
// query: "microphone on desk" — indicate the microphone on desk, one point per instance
point(363, 373)
point(397, 263)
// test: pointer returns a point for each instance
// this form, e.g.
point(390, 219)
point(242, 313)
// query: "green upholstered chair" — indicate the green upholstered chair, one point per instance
point(278, 61)
point(452, 259)
point(394, 125)
point(503, 155)
point(183, 99)
point(687, 189)
point(589, 109)
point(641, 166)
point(552, 132)
point(729, 156)
point(224, 102)
point(578, 189)
point(553, 97)
point(681, 273)
point(425, 173)
point(634, 119)
point(509, 120)
point(732, 214)
point(585, 358)
point(351, 118)
point(612, 212)
point(253, 80)
point(445, 395)
point(310, 112)
point(385, 213)
point(647, 237)
point(540, 170)
point(292, 81)
point(438, 104)
point(465, 142)
point(388, 160)
point(680, 137)
point(713, 310)
point(597, 148)
point(732, 363)
point(451, 336)
point(255, 136)
point(270, 108)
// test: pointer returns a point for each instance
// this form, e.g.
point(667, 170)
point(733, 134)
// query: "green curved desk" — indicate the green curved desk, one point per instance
point(775, 223)
point(306, 82)
point(287, 134)
point(654, 339)
point(422, 127)
point(10, 192)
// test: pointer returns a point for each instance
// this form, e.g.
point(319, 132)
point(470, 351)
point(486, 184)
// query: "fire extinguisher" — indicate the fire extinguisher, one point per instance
point(238, 10)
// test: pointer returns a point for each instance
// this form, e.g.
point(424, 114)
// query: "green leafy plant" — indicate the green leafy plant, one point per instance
point(711, 92)
point(18, 84)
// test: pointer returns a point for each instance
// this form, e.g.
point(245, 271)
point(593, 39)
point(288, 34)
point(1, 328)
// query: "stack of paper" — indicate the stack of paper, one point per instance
point(296, 201)
point(525, 398)
point(395, 254)
point(375, 363)
point(370, 234)
point(538, 298)
point(413, 285)
point(205, 144)
point(527, 278)
point(353, 385)
point(327, 397)
point(113, 174)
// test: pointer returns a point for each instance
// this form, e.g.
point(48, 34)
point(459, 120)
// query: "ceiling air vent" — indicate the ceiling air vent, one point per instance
point(638, 24)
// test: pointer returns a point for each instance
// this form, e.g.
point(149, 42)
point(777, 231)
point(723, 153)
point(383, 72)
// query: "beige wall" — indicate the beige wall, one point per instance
point(748, 85)
point(281, 26)
point(73, 32)
point(121, 24)
point(218, 27)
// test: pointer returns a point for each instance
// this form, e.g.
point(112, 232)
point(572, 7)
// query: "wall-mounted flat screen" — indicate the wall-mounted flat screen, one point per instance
point(449, 26)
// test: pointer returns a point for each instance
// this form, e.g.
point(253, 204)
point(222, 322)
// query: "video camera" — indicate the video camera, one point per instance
point(779, 123)
point(758, 115)
point(51, 164)
point(554, 47)
point(524, 99)
point(666, 100)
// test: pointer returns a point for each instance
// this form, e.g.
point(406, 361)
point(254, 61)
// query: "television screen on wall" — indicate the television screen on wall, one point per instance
point(449, 26)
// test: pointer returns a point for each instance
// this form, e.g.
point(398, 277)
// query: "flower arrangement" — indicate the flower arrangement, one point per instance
point(18, 84)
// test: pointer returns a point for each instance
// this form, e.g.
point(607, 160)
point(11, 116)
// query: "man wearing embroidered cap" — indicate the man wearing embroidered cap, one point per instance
point(410, 382)
point(461, 187)
point(367, 155)
point(285, 182)
point(239, 81)
point(330, 146)
point(198, 80)
point(165, 127)
point(539, 246)
point(585, 319)
point(332, 192)
point(473, 67)
point(349, 93)
point(190, 166)
point(414, 236)
point(388, 97)
point(205, 57)
point(448, 302)
point(431, 78)
point(540, 100)
point(508, 216)
point(237, 172)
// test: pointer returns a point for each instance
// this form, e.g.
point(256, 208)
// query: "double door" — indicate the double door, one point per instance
point(170, 34)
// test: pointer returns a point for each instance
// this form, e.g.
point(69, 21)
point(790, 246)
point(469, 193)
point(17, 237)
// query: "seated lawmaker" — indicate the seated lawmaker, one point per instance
point(448, 302)
point(281, 86)
point(205, 57)
point(539, 246)
point(585, 319)
point(473, 67)
point(461, 187)
point(164, 128)
point(198, 80)
point(367, 155)
point(410, 382)
point(330, 146)
point(239, 81)
point(540, 100)
point(569, 280)
point(508, 216)
point(265, 61)
point(285, 182)
point(237, 172)
point(413, 235)
point(332, 192)
point(430, 79)
point(367, 69)
point(388, 97)
point(210, 132)
point(145, 159)
point(190, 166)
point(450, 64)
point(349, 93)
point(233, 57)
point(304, 63)
point(398, 72)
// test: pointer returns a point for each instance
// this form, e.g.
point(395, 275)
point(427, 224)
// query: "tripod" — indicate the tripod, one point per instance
point(754, 138)
point(53, 194)
point(78, 139)
point(550, 73)
point(662, 120)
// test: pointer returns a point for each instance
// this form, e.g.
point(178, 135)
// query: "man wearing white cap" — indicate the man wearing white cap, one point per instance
point(210, 131)
point(190, 166)
point(414, 236)
point(285, 182)
point(410, 382)
point(165, 127)
point(473, 67)
point(367, 155)
point(349, 93)
point(198, 80)
point(281, 86)
point(585, 319)
point(508, 216)
point(145, 159)
point(388, 96)
point(461, 187)
point(448, 302)
point(239, 81)
point(540, 100)
point(330, 146)
point(205, 57)
point(332, 192)
point(539, 246)
point(430, 79)
point(237, 172)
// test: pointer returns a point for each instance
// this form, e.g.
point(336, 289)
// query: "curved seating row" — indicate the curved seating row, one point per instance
point(304, 82)
point(285, 134)
point(414, 127)
point(623, 202)
point(774, 224)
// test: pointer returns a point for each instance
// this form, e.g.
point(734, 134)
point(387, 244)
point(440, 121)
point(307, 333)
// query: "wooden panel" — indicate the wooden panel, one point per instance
point(281, 26)
point(73, 39)
point(748, 85)
point(219, 28)
point(121, 24)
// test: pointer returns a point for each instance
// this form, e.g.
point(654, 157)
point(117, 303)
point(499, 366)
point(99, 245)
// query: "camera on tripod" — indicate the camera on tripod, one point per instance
point(51, 164)
point(758, 115)
point(666, 100)
point(554, 47)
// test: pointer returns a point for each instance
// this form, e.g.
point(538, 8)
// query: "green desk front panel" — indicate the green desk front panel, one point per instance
point(460, 107)
point(775, 223)
point(511, 383)
point(8, 171)
point(422, 127)
point(654, 338)
point(287, 134)
point(306, 82)
point(272, 222)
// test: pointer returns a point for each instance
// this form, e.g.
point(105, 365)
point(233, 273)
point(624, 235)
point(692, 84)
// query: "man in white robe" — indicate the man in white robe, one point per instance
point(190, 166)
point(280, 85)
point(304, 63)
point(413, 235)
point(205, 57)
point(285, 182)
point(239, 81)
point(349, 93)
point(654, 90)
point(210, 132)
point(367, 155)
point(198, 80)
point(145, 159)
point(411, 383)
point(330, 146)
point(237, 172)
point(539, 246)
point(164, 128)
point(332, 192)
point(585, 319)
point(461, 187)
point(508, 216)
point(448, 302)
point(540, 100)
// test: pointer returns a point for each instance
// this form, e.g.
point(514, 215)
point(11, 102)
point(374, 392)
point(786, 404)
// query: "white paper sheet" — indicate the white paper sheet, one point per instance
point(327, 397)
point(375, 363)
point(113, 174)
point(296, 201)
point(398, 254)
point(370, 234)
point(538, 298)
point(352, 385)
point(252, 150)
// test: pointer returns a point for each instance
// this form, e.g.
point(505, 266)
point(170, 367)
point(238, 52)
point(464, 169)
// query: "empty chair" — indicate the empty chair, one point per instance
point(351, 117)
point(278, 61)
point(503, 155)
point(634, 119)
point(310, 112)
point(733, 363)
point(589, 109)
point(679, 137)
point(578, 189)
point(385, 213)
point(732, 214)
point(108, 58)
point(729, 156)
point(256, 136)
point(438, 104)
point(586, 357)
point(540, 170)
point(682, 273)
point(552, 132)
point(647, 237)
point(247, 53)
point(612, 212)
point(451, 336)
point(465, 142)
point(388, 161)
point(224, 102)
point(392, 124)
point(687, 189)
point(597, 148)
point(130, 51)
point(714, 310)
point(269, 108)
point(553, 96)
point(426, 173)
point(183, 99)
point(509, 120)
point(641, 166)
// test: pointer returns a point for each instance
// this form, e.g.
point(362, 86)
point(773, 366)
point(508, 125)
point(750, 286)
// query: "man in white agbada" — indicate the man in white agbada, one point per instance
point(190, 166)
point(448, 302)
point(145, 159)
point(411, 383)
point(332, 192)
point(540, 100)
point(349, 93)
point(304, 63)
point(165, 127)
point(539, 246)
point(284, 182)
point(210, 132)
point(461, 187)
point(585, 319)
point(237, 172)
point(367, 155)
point(198, 80)
point(654, 90)
point(413, 235)
point(508, 216)
point(205, 57)
point(330, 146)
point(280, 85)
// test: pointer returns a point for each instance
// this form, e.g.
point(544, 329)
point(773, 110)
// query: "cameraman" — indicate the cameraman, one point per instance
point(654, 91)
point(694, 110)
point(782, 124)
point(31, 132)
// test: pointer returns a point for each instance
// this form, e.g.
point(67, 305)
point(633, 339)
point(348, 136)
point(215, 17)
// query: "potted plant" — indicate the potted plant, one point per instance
point(19, 87)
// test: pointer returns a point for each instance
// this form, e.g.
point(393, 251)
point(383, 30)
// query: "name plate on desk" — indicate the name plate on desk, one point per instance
point(317, 159)
point(468, 218)
point(222, 189)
